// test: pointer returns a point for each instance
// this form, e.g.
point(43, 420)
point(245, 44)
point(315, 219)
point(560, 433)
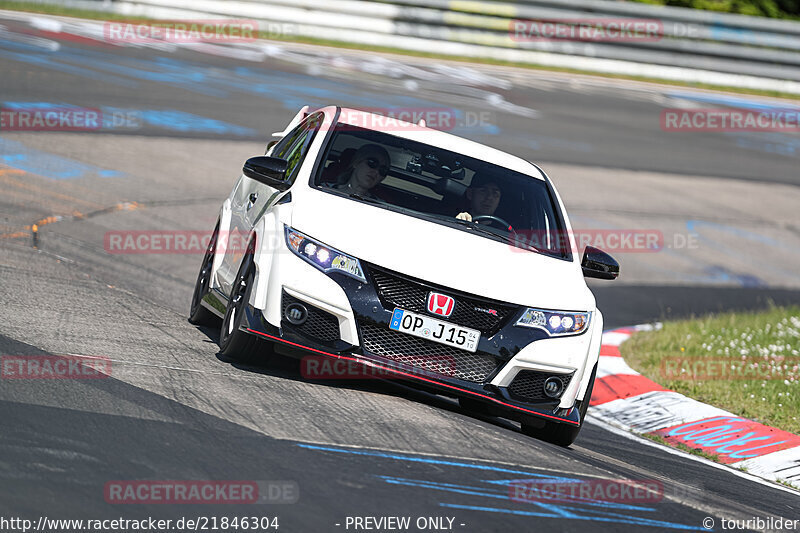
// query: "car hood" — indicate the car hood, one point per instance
point(441, 255)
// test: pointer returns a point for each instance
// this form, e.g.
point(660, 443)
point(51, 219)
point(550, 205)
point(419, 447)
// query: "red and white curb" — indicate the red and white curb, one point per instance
point(625, 399)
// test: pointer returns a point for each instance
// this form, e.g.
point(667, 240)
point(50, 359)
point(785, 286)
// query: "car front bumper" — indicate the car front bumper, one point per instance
point(349, 319)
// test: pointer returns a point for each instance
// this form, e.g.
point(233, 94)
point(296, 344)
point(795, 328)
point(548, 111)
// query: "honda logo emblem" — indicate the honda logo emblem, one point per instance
point(440, 304)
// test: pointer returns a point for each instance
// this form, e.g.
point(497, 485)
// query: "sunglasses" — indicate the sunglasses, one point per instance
point(373, 163)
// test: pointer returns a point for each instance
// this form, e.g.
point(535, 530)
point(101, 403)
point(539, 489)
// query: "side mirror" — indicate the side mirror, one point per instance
point(598, 264)
point(267, 170)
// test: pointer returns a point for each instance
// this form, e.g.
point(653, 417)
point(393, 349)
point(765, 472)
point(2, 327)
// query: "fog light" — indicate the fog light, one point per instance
point(296, 314)
point(553, 387)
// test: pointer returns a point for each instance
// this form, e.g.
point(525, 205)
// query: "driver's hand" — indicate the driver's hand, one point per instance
point(464, 216)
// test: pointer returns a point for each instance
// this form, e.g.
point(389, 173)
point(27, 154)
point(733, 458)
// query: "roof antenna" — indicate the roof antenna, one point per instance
point(421, 123)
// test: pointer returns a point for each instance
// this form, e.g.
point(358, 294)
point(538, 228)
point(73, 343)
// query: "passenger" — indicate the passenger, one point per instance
point(369, 166)
point(482, 197)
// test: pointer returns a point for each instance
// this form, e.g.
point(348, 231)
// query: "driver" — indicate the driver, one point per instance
point(482, 197)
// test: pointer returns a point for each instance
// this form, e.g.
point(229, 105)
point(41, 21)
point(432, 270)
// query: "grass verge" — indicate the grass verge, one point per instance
point(51, 9)
point(54, 9)
point(682, 447)
point(745, 363)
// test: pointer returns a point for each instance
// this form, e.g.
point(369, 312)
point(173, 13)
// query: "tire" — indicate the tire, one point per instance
point(199, 315)
point(235, 344)
point(562, 434)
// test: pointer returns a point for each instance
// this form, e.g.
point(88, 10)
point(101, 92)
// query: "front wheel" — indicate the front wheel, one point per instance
point(562, 434)
point(234, 343)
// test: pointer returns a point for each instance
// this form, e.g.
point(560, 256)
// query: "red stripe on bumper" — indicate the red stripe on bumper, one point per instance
point(413, 376)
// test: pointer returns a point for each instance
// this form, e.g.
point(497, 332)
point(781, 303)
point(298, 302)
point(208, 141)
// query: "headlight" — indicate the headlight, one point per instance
point(323, 257)
point(556, 323)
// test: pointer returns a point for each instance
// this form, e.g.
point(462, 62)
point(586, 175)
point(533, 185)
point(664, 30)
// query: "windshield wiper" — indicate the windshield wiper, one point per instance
point(486, 231)
point(477, 227)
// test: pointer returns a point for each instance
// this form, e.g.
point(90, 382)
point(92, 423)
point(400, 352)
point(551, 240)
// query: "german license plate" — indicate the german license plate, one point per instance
point(435, 330)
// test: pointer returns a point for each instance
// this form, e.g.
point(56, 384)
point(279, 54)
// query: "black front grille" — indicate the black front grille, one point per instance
point(528, 385)
point(397, 291)
point(427, 355)
point(320, 325)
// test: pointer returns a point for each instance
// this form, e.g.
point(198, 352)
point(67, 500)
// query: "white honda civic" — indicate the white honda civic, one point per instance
point(412, 252)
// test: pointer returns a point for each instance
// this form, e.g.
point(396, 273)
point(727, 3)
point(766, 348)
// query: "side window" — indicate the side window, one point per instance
point(294, 147)
point(288, 140)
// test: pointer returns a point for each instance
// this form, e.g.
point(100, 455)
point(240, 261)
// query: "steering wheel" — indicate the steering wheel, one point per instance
point(494, 219)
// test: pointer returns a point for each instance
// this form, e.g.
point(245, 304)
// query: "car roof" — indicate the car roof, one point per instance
point(433, 137)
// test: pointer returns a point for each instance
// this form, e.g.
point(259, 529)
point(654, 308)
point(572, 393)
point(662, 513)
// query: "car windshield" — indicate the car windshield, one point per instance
point(443, 187)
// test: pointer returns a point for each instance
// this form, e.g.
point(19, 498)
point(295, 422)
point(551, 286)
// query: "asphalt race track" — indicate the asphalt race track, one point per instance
point(179, 125)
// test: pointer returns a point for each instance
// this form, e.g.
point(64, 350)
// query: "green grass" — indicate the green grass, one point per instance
point(682, 447)
point(100, 15)
point(713, 360)
point(52, 9)
point(755, 8)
